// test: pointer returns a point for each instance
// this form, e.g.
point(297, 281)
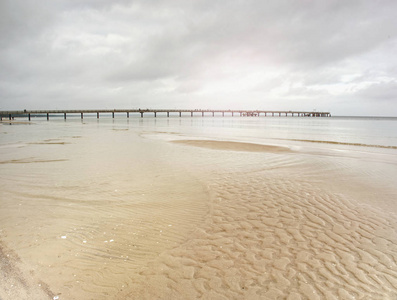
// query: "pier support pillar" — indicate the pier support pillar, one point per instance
point(48, 116)
point(141, 114)
point(155, 114)
point(202, 114)
point(113, 114)
point(191, 114)
point(97, 115)
point(9, 116)
point(29, 117)
point(232, 114)
point(180, 114)
point(213, 113)
point(168, 114)
point(64, 116)
point(82, 116)
point(128, 114)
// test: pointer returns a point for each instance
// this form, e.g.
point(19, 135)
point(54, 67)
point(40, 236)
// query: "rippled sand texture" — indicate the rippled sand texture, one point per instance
point(115, 216)
point(274, 235)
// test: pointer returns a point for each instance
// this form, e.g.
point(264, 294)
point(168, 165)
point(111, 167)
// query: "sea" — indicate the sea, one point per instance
point(198, 207)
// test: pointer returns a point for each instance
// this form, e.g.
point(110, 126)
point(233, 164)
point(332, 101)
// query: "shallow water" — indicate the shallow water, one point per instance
point(111, 209)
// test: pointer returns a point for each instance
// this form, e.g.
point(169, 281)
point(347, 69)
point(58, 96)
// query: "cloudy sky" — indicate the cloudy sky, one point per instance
point(328, 55)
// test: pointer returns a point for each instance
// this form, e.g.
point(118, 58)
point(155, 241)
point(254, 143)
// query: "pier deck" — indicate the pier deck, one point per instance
point(248, 113)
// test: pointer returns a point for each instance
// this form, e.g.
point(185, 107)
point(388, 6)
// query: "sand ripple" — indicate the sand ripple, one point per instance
point(126, 225)
point(268, 237)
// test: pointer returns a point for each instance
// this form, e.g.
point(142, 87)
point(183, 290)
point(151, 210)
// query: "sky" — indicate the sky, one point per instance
point(324, 55)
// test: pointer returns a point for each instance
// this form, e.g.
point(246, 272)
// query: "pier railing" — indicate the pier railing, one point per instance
point(247, 113)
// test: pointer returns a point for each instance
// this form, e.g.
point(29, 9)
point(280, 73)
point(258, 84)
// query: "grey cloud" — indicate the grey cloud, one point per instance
point(98, 49)
point(379, 92)
point(20, 20)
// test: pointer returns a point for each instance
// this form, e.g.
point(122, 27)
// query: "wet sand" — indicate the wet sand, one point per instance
point(17, 283)
point(254, 222)
point(233, 146)
point(275, 235)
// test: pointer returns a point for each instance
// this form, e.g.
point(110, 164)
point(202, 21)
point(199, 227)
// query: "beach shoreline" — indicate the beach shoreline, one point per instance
point(207, 216)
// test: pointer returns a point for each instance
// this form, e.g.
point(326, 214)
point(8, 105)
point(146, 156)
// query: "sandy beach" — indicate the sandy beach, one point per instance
point(272, 236)
point(191, 219)
point(233, 146)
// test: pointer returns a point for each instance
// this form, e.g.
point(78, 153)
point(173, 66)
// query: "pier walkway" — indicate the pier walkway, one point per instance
point(154, 112)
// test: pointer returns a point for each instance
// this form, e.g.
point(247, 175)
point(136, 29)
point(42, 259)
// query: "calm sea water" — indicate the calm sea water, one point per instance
point(84, 203)
point(370, 131)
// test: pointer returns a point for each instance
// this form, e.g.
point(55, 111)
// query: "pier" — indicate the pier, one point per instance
point(166, 112)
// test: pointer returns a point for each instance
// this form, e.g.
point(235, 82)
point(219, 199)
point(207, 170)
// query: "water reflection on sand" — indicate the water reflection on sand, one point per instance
point(120, 212)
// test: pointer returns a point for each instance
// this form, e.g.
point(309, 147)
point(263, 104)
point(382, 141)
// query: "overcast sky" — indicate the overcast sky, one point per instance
point(338, 56)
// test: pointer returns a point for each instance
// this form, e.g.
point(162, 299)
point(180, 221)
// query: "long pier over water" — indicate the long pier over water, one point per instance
point(154, 112)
